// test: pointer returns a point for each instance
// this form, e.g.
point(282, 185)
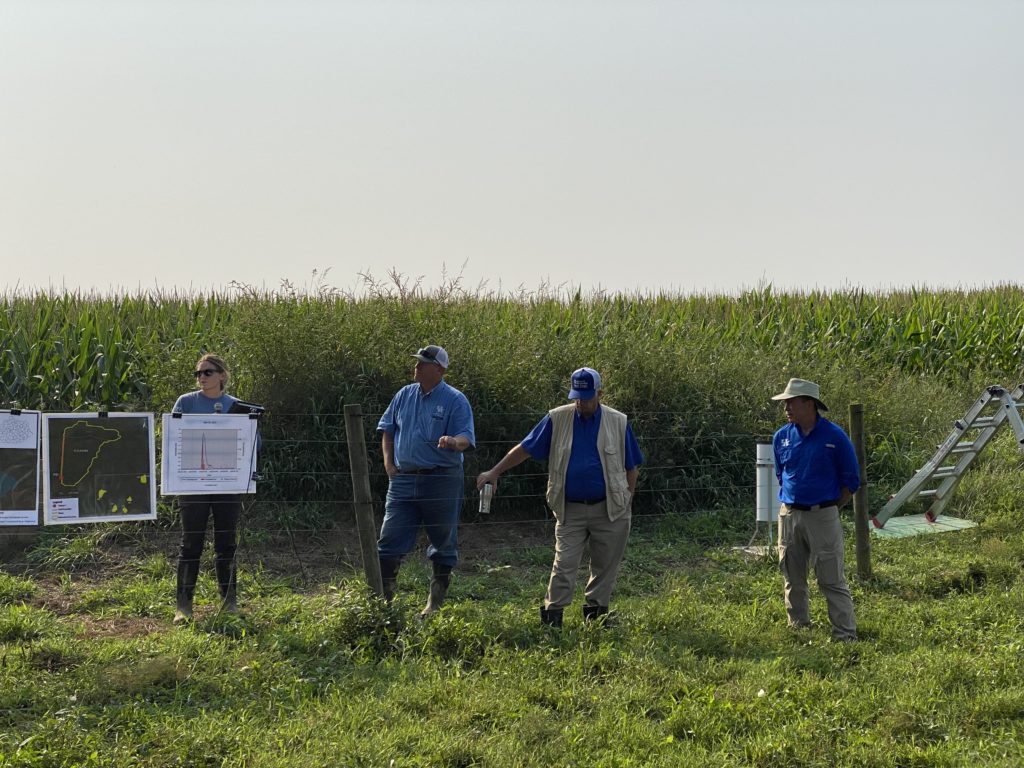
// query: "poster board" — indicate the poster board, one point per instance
point(207, 453)
point(19, 467)
point(98, 467)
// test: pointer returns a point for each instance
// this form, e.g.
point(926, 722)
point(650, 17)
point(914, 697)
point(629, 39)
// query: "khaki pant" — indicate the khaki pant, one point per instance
point(580, 523)
point(815, 538)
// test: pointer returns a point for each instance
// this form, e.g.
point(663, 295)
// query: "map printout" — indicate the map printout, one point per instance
point(19, 467)
point(98, 468)
point(208, 453)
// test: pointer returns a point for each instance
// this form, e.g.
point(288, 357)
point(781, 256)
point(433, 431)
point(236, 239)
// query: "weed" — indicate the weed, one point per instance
point(14, 590)
point(451, 637)
point(22, 624)
point(67, 551)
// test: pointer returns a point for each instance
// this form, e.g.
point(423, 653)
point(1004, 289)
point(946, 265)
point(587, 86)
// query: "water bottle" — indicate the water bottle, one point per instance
point(485, 498)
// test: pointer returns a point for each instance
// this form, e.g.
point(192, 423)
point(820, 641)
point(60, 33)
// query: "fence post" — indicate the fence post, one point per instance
point(360, 466)
point(860, 498)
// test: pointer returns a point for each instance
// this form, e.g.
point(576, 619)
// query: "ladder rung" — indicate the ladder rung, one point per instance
point(958, 442)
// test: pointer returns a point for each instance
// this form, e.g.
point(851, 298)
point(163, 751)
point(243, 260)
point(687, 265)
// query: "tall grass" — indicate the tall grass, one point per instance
point(695, 372)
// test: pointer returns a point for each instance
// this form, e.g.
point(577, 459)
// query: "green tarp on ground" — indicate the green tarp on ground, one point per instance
point(916, 525)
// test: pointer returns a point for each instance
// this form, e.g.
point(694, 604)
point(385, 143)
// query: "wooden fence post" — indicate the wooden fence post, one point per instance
point(860, 498)
point(360, 466)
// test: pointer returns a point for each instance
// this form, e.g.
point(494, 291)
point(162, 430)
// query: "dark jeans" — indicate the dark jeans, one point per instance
point(195, 513)
point(431, 501)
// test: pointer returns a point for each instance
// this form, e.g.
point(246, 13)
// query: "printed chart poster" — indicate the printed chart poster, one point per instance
point(19, 468)
point(98, 468)
point(213, 453)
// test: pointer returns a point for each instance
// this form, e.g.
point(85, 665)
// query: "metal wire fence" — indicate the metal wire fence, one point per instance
point(301, 505)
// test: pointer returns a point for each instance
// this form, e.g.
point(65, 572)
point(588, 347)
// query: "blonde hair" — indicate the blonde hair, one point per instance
point(218, 362)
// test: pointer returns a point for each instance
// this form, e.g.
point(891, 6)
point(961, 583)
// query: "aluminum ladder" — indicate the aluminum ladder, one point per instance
point(970, 435)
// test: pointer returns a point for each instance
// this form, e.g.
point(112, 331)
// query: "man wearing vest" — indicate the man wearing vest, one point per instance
point(593, 460)
point(818, 473)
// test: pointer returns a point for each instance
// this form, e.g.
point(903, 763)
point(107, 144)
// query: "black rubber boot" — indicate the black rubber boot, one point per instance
point(227, 585)
point(439, 584)
point(389, 576)
point(551, 617)
point(595, 613)
point(188, 572)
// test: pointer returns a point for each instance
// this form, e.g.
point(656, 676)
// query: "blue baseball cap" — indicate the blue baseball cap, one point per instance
point(585, 383)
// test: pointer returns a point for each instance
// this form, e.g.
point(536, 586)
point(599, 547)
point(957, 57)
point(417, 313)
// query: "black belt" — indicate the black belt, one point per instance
point(422, 471)
point(812, 507)
point(585, 502)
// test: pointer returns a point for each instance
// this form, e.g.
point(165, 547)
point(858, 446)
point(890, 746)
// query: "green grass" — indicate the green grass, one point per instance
point(698, 668)
point(13, 589)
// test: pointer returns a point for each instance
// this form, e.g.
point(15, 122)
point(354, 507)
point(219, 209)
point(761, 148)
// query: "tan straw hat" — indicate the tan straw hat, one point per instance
point(802, 388)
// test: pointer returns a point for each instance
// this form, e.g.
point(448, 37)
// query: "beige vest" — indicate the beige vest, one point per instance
point(611, 445)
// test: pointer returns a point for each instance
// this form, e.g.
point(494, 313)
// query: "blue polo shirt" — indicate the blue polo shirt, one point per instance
point(813, 468)
point(584, 478)
point(417, 421)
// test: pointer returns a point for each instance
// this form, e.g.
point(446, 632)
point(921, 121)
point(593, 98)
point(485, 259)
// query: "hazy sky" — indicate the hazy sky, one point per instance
point(698, 145)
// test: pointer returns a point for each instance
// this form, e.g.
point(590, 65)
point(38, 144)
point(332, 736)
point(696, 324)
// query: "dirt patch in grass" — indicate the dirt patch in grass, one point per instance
point(304, 564)
point(121, 627)
point(338, 555)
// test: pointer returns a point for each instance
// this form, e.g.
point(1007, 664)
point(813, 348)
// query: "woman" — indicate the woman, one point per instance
point(211, 377)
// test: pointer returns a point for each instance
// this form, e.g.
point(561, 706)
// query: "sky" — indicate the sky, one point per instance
point(692, 146)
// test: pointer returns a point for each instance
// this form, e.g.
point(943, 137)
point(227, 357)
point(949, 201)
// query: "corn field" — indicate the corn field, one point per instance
point(71, 352)
point(694, 372)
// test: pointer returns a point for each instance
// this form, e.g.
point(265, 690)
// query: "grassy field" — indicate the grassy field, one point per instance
point(698, 668)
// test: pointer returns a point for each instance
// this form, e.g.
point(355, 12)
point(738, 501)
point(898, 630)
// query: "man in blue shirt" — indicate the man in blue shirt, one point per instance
point(593, 461)
point(424, 430)
point(818, 473)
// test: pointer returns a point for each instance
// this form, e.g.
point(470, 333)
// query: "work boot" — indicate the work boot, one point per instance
point(597, 613)
point(551, 617)
point(188, 571)
point(183, 615)
point(439, 583)
point(227, 585)
point(389, 576)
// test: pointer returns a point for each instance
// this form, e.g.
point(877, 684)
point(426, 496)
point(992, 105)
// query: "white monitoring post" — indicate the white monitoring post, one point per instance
point(767, 509)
